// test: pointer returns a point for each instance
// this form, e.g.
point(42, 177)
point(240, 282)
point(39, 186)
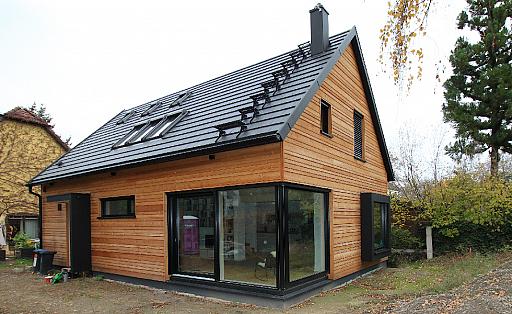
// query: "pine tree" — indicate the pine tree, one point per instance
point(40, 111)
point(479, 93)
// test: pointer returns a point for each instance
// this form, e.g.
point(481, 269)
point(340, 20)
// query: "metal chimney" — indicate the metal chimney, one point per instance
point(319, 29)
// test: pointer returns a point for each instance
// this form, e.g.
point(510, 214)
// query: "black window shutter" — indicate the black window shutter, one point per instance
point(325, 117)
point(358, 135)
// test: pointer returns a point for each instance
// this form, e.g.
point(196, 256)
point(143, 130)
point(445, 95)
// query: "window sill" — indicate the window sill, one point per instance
point(116, 217)
point(329, 135)
point(360, 159)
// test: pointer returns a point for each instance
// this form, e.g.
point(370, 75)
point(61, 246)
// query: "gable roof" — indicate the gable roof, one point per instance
point(212, 105)
point(26, 116)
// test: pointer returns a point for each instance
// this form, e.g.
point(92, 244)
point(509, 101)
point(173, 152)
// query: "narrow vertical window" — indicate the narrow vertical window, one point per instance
point(325, 118)
point(358, 136)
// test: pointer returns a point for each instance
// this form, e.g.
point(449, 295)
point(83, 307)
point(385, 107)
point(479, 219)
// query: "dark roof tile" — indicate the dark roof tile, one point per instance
point(211, 103)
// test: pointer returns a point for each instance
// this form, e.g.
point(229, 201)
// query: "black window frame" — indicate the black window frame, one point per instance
point(287, 283)
point(282, 278)
point(117, 198)
point(368, 250)
point(325, 112)
point(359, 136)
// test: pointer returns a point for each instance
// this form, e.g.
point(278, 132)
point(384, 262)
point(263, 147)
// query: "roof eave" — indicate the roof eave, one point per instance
point(262, 139)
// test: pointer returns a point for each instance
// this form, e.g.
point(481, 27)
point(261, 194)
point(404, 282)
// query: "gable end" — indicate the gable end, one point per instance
point(350, 40)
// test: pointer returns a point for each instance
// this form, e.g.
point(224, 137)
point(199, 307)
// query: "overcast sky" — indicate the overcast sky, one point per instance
point(88, 60)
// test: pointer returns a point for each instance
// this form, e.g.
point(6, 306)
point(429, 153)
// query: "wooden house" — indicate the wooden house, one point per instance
point(265, 185)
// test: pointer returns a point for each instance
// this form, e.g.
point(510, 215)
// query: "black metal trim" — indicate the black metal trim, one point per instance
point(217, 248)
point(325, 104)
point(282, 253)
point(261, 297)
point(174, 229)
point(117, 198)
point(290, 284)
point(58, 198)
point(368, 252)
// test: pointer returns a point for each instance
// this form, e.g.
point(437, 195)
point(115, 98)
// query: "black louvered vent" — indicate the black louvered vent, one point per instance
point(358, 135)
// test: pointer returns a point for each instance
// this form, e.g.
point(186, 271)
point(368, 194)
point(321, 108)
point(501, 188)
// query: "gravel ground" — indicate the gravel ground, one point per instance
point(24, 292)
point(489, 293)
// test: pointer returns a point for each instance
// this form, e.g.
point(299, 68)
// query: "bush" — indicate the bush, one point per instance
point(404, 239)
point(22, 241)
point(468, 212)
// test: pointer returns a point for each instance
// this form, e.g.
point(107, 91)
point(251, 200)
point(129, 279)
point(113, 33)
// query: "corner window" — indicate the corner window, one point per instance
point(358, 136)
point(248, 235)
point(375, 226)
point(325, 118)
point(306, 233)
point(118, 207)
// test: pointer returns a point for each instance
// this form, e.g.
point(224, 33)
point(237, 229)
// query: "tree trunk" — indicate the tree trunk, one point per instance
point(495, 158)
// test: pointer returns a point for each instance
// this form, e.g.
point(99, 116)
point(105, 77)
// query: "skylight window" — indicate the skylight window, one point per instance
point(126, 117)
point(152, 129)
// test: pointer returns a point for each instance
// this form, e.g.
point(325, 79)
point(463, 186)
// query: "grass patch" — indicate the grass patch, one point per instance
point(438, 275)
point(17, 262)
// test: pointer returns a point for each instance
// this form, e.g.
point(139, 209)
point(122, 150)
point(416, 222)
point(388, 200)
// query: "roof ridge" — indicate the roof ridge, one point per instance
point(227, 74)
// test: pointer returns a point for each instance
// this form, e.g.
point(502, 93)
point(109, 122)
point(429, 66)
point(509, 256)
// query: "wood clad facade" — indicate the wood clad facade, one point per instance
point(312, 158)
point(55, 231)
point(137, 247)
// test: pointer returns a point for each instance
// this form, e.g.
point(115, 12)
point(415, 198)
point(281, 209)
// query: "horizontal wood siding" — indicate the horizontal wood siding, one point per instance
point(312, 158)
point(55, 232)
point(138, 246)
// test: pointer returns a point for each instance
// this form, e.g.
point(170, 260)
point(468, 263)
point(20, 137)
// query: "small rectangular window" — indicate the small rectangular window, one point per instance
point(118, 207)
point(325, 118)
point(358, 135)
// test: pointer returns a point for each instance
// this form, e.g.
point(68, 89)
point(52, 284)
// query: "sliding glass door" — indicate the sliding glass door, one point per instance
point(195, 238)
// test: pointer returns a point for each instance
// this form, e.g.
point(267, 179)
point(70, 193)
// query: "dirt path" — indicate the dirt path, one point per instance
point(489, 293)
point(24, 292)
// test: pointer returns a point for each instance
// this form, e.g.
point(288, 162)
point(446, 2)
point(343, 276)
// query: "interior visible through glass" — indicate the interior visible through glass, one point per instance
point(196, 236)
point(248, 236)
point(378, 232)
point(119, 207)
point(306, 233)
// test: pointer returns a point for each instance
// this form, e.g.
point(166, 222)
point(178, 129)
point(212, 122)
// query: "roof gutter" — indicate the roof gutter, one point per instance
point(212, 149)
point(40, 216)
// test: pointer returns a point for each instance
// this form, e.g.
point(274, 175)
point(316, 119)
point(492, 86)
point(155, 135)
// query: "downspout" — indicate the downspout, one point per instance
point(40, 216)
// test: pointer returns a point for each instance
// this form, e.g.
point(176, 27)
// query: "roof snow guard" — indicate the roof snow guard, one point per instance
point(256, 105)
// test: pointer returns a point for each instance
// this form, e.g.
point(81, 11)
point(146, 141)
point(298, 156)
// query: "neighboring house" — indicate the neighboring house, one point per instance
point(264, 185)
point(27, 146)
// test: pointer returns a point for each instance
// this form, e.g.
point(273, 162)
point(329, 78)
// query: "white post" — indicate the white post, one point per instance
point(430, 251)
